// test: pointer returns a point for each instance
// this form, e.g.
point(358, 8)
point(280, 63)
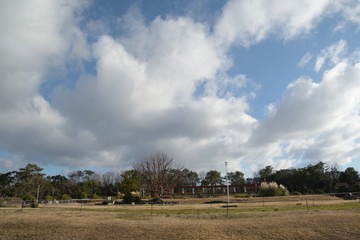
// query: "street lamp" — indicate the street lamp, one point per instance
point(37, 195)
point(227, 183)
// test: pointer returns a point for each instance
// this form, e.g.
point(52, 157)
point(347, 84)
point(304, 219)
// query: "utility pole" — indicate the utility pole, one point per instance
point(227, 183)
point(37, 196)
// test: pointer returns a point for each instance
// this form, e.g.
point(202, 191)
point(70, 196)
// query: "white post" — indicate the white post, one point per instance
point(227, 183)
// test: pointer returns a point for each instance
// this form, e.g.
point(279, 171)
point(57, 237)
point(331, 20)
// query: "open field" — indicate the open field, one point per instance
point(268, 218)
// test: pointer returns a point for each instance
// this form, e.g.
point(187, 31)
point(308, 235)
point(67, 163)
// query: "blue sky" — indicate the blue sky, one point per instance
point(101, 84)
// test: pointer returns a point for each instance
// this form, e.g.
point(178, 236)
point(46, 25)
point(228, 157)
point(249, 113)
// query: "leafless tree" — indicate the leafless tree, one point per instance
point(107, 178)
point(159, 174)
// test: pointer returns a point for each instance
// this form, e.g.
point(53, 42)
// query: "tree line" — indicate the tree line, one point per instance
point(317, 179)
point(154, 176)
point(157, 174)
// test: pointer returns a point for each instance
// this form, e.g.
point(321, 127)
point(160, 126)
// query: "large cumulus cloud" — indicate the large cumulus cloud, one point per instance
point(36, 36)
point(143, 95)
point(315, 120)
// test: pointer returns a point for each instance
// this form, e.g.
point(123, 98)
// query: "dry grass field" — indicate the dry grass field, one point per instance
point(257, 218)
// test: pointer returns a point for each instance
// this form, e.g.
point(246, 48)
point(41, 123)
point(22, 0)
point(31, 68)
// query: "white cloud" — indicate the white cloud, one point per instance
point(35, 36)
point(314, 121)
point(143, 94)
point(305, 59)
point(350, 10)
point(333, 53)
point(247, 22)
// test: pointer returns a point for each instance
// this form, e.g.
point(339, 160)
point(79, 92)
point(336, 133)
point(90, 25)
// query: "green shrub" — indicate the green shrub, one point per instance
point(94, 196)
point(119, 195)
point(106, 202)
point(319, 191)
point(178, 197)
point(48, 198)
point(34, 205)
point(296, 193)
point(272, 189)
point(65, 197)
point(127, 198)
point(284, 191)
point(343, 189)
point(355, 188)
point(130, 197)
point(83, 195)
point(242, 195)
point(29, 197)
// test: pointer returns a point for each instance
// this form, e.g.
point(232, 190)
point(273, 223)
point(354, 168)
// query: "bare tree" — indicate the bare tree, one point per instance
point(159, 174)
point(107, 178)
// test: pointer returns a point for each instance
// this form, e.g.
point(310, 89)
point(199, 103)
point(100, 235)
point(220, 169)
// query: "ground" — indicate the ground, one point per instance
point(258, 218)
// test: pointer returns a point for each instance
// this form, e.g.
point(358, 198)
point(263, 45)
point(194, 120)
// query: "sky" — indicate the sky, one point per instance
point(102, 84)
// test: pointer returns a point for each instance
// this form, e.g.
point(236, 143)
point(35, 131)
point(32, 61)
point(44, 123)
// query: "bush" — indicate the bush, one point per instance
point(29, 197)
point(355, 188)
point(296, 193)
point(178, 197)
point(34, 205)
point(83, 195)
point(48, 198)
point(130, 197)
point(119, 195)
point(94, 196)
point(242, 195)
point(343, 189)
point(106, 202)
point(127, 198)
point(272, 189)
point(284, 191)
point(319, 191)
point(65, 197)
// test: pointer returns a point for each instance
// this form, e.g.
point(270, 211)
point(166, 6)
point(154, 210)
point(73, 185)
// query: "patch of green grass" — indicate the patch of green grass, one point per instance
point(213, 211)
point(239, 210)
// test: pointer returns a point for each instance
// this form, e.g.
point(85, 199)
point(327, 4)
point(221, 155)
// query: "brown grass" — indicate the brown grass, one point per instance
point(124, 222)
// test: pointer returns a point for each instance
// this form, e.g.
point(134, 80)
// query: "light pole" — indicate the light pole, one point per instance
point(227, 182)
point(37, 195)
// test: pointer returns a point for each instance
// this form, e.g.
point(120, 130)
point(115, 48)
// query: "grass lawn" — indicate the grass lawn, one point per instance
point(271, 218)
